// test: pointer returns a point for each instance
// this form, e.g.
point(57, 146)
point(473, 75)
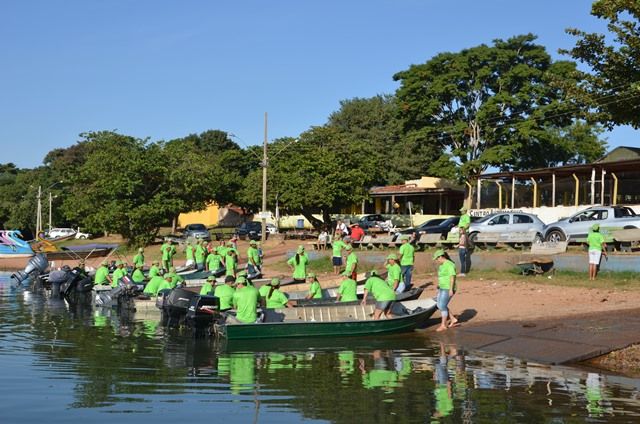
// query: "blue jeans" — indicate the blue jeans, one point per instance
point(464, 260)
point(407, 270)
point(442, 300)
point(200, 266)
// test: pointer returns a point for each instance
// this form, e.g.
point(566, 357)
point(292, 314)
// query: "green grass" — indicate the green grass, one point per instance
point(625, 280)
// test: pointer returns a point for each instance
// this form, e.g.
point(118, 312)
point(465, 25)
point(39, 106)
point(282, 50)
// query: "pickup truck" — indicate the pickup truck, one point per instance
point(578, 226)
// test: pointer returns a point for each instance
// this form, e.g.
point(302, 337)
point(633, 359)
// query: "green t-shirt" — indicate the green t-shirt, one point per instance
point(315, 290)
point(253, 256)
point(337, 247)
point(101, 275)
point(444, 403)
point(138, 276)
point(465, 221)
point(153, 286)
point(222, 250)
point(175, 278)
point(300, 268)
point(117, 275)
point(394, 273)
point(230, 263)
point(264, 290)
point(408, 253)
point(206, 289)
point(154, 271)
point(277, 299)
point(188, 252)
point(214, 262)
point(352, 262)
point(138, 259)
point(347, 290)
point(245, 301)
point(445, 272)
point(379, 289)
point(595, 240)
point(165, 285)
point(225, 293)
point(166, 251)
point(200, 253)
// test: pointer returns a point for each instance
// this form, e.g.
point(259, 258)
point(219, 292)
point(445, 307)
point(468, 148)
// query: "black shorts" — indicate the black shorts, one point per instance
point(337, 261)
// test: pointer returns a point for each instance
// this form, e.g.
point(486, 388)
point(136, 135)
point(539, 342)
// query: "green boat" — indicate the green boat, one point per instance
point(332, 321)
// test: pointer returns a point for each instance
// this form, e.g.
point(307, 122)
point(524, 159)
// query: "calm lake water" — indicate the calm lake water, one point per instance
point(100, 367)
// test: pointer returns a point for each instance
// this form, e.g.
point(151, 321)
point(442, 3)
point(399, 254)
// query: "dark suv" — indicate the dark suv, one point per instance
point(197, 231)
point(251, 230)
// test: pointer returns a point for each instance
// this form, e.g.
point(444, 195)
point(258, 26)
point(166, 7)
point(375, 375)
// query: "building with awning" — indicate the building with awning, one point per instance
point(427, 196)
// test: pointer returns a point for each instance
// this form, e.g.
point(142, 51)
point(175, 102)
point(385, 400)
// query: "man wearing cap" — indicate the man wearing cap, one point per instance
point(315, 291)
point(199, 255)
point(207, 288)
point(214, 262)
point(446, 289)
point(394, 274)
point(465, 219)
point(254, 263)
point(347, 292)
point(175, 277)
point(597, 248)
point(336, 246)
point(166, 284)
point(139, 258)
point(298, 264)
point(383, 294)
point(231, 262)
point(165, 250)
point(138, 275)
point(406, 254)
point(245, 302)
point(189, 255)
point(352, 262)
point(275, 298)
point(154, 270)
point(153, 286)
point(102, 275)
point(225, 292)
point(357, 233)
point(118, 274)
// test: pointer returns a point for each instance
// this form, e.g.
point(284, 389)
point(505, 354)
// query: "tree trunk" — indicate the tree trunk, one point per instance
point(174, 224)
point(317, 224)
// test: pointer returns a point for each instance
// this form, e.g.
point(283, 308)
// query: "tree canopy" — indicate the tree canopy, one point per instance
point(503, 106)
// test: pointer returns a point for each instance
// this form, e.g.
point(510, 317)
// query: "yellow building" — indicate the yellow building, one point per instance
point(209, 217)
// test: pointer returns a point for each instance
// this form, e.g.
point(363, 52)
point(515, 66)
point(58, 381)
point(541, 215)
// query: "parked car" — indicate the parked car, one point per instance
point(368, 221)
point(505, 223)
point(82, 236)
point(197, 231)
point(433, 226)
point(56, 233)
point(578, 225)
point(251, 230)
point(271, 229)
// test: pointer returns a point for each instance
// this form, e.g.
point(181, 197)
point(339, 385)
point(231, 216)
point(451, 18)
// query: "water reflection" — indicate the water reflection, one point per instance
point(100, 361)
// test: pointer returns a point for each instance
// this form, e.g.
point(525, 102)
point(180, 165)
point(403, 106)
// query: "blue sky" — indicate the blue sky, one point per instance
point(165, 69)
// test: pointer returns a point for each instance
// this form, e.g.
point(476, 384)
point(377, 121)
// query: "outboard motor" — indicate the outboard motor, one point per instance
point(176, 305)
point(60, 281)
point(37, 264)
point(120, 297)
point(202, 312)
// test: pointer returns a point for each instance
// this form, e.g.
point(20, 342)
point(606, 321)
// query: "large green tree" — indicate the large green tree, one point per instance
point(504, 106)
point(613, 88)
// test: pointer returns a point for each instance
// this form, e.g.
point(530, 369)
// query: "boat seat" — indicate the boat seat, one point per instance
point(328, 313)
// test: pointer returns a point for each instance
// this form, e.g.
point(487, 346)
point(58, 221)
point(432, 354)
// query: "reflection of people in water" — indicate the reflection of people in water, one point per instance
point(347, 361)
point(595, 396)
point(240, 367)
point(442, 391)
point(385, 373)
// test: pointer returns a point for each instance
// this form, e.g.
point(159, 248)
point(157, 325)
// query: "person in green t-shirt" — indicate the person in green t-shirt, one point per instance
point(154, 270)
point(406, 254)
point(102, 275)
point(231, 262)
point(165, 250)
point(597, 248)
point(465, 218)
point(347, 292)
point(175, 277)
point(298, 264)
point(138, 275)
point(394, 274)
point(225, 292)
point(214, 262)
point(315, 291)
point(352, 262)
point(207, 288)
point(189, 255)
point(383, 294)
point(446, 289)
point(153, 286)
point(199, 255)
point(254, 262)
point(118, 274)
point(245, 302)
point(336, 246)
point(166, 284)
point(275, 298)
point(139, 258)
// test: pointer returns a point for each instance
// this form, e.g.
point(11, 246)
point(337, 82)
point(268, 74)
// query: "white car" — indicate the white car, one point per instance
point(56, 233)
point(82, 236)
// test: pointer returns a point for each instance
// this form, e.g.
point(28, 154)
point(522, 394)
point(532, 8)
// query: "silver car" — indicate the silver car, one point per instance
point(577, 226)
point(507, 223)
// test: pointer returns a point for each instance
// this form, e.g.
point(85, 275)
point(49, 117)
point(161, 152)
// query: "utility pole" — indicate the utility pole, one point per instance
point(50, 203)
point(264, 182)
point(39, 212)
